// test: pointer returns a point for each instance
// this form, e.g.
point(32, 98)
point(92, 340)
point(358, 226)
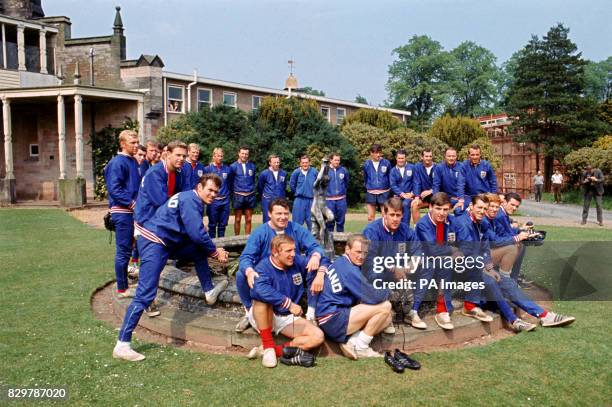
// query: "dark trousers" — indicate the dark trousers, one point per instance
point(556, 189)
point(587, 204)
point(538, 192)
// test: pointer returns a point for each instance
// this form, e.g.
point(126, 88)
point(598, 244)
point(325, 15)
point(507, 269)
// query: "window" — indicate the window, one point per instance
point(230, 99)
point(326, 113)
point(33, 150)
point(175, 99)
point(340, 113)
point(257, 101)
point(204, 98)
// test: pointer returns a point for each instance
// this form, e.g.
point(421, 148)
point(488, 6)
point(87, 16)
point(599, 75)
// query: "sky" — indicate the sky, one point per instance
point(343, 47)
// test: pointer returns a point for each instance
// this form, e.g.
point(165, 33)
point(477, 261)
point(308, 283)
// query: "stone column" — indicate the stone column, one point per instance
point(43, 51)
point(141, 133)
point(21, 59)
point(8, 138)
point(4, 47)
point(78, 131)
point(61, 131)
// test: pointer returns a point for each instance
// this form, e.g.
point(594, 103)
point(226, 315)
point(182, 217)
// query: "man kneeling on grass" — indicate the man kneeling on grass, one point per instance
point(276, 293)
point(350, 310)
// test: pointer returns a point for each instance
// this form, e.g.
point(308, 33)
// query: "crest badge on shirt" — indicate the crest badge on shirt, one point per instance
point(250, 173)
point(409, 173)
point(451, 236)
point(297, 279)
point(383, 168)
point(224, 175)
point(483, 174)
point(281, 178)
point(200, 173)
point(341, 176)
point(401, 248)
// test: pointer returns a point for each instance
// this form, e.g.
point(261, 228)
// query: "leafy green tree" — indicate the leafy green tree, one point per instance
point(310, 91)
point(378, 118)
point(361, 99)
point(419, 79)
point(456, 131)
point(362, 136)
point(414, 143)
point(598, 80)
point(474, 79)
point(546, 97)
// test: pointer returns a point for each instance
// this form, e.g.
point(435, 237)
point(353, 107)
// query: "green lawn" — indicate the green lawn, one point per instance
point(51, 263)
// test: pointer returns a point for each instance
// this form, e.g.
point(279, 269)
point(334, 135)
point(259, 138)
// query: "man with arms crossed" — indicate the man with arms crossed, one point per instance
point(336, 192)
point(301, 184)
point(218, 211)
point(423, 183)
point(402, 183)
point(243, 187)
point(376, 180)
point(449, 178)
point(478, 174)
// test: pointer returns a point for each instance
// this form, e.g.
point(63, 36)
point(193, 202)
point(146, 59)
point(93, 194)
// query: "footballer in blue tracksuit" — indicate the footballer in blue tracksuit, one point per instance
point(242, 173)
point(272, 184)
point(376, 180)
point(423, 183)
point(335, 198)
point(192, 172)
point(347, 295)
point(478, 174)
point(401, 179)
point(175, 231)
point(122, 179)
point(301, 185)
point(218, 211)
point(506, 233)
point(448, 178)
point(161, 181)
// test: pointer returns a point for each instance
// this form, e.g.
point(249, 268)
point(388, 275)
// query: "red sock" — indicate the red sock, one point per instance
point(267, 340)
point(441, 304)
point(469, 305)
point(543, 314)
point(120, 291)
point(133, 260)
point(279, 350)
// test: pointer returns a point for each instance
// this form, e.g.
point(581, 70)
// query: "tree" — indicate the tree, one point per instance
point(310, 91)
point(378, 118)
point(361, 99)
point(456, 131)
point(546, 97)
point(474, 79)
point(598, 80)
point(418, 79)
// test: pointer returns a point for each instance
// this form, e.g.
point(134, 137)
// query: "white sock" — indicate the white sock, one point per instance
point(354, 336)
point(210, 292)
point(121, 344)
point(504, 273)
point(363, 340)
point(310, 313)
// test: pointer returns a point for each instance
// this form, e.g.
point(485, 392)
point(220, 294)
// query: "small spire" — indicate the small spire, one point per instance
point(77, 74)
point(118, 24)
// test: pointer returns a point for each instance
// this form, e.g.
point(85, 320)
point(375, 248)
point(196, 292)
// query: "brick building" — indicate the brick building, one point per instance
point(57, 91)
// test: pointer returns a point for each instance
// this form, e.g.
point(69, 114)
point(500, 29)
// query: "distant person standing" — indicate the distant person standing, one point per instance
point(557, 184)
point(593, 185)
point(538, 182)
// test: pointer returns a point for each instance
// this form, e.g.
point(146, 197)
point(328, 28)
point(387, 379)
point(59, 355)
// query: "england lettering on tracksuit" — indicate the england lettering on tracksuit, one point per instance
point(423, 180)
point(192, 172)
point(376, 181)
point(479, 178)
point(385, 243)
point(280, 287)
point(243, 185)
point(122, 179)
point(505, 234)
point(471, 239)
point(344, 287)
point(401, 180)
point(271, 186)
point(218, 211)
point(450, 180)
point(258, 247)
point(175, 231)
point(426, 231)
point(335, 199)
point(301, 185)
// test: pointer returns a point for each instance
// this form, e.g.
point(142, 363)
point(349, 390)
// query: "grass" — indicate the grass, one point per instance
point(576, 197)
point(51, 264)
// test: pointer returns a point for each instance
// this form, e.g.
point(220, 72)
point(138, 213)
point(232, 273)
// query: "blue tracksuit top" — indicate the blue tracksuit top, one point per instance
point(338, 182)
point(179, 221)
point(471, 236)
point(345, 286)
point(280, 287)
point(241, 181)
point(192, 174)
point(225, 174)
point(422, 181)
point(426, 233)
point(448, 179)
point(269, 187)
point(502, 227)
point(302, 185)
point(478, 178)
point(373, 179)
point(153, 191)
point(122, 180)
point(402, 184)
point(143, 168)
point(258, 245)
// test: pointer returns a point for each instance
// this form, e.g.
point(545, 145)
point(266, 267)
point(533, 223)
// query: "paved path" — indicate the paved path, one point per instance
point(566, 213)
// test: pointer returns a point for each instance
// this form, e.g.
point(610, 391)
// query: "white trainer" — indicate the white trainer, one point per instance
point(348, 350)
point(127, 353)
point(269, 358)
point(389, 329)
point(367, 353)
point(477, 313)
point(129, 293)
point(444, 321)
point(256, 352)
point(552, 319)
point(416, 321)
point(212, 295)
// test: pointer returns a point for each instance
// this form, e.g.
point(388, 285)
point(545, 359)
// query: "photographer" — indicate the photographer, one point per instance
point(592, 182)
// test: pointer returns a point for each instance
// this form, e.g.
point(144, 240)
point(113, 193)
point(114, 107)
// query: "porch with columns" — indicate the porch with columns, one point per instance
point(43, 114)
point(32, 42)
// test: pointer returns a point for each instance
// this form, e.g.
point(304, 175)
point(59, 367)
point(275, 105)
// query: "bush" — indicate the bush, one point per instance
point(457, 132)
point(362, 136)
point(378, 118)
point(577, 160)
point(604, 142)
point(414, 143)
point(486, 149)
